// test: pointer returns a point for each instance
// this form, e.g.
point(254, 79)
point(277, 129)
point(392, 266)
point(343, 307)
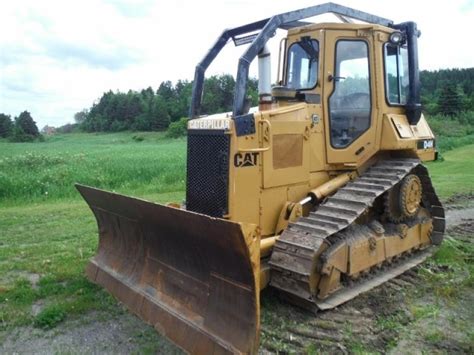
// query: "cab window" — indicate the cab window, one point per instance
point(396, 73)
point(350, 102)
point(302, 69)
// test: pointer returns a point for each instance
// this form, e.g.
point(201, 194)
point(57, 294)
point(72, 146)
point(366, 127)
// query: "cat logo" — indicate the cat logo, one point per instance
point(243, 160)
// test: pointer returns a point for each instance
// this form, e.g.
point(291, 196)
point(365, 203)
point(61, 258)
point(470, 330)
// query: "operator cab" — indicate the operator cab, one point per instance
point(334, 66)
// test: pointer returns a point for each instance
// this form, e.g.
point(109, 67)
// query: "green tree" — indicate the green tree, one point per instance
point(450, 100)
point(155, 116)
point(434, 89)
point(6, 125)
point(252, 91)
point(25, 123)
point(470, 102)
point(183, 90)
point(170, 97)
point(159, 115)
point(218, 94)
point(80, 117)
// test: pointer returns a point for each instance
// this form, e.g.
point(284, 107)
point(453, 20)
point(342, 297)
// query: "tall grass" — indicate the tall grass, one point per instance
point(453, 132)
point(122, 162)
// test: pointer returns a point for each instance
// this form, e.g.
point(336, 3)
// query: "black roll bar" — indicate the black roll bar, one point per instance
point(267, 28)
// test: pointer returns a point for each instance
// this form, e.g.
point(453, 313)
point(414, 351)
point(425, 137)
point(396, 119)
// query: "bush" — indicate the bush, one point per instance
point(20, 136)
point(138, 138)
point(178, 129)
point(457, 126)
point(452, 131)
point(448, 143)
point(118, 126)
point(141, 123)
point(466, 117)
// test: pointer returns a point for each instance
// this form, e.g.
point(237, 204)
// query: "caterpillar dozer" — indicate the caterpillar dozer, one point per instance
point(319, 193)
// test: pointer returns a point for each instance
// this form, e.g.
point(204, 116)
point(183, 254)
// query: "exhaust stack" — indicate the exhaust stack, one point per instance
point(264, 79)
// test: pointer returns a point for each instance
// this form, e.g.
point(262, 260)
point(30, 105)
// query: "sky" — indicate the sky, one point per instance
point(59, 57)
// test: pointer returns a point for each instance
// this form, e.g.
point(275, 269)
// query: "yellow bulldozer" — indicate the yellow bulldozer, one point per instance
point(319, 193)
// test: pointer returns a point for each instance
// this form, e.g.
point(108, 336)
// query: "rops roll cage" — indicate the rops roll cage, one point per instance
point(267, 27)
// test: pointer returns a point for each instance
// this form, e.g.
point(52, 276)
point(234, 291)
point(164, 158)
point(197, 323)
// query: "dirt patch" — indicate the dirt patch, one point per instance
point(34, 279)
point(463, 210)
point(458, 201)
point(36, 308)
point(12, 276)
point(93, 333)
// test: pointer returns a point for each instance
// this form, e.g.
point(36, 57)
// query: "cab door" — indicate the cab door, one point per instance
point(348, 97)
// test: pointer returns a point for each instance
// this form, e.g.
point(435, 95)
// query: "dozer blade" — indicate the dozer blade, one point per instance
point(187, 274)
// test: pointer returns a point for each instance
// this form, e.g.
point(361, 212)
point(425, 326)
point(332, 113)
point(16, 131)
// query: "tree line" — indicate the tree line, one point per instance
point(445, 92)
point(147, 110)
point(21, 129)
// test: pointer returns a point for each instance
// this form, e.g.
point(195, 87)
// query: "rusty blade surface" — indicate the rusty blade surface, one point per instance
point(187, 274)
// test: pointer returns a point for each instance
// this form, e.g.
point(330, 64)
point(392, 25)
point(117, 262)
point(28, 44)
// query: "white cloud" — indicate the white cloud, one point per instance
point(57, 57)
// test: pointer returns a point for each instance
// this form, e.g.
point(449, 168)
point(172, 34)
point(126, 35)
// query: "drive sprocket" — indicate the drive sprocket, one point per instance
point(410, 195)
point(404, 199)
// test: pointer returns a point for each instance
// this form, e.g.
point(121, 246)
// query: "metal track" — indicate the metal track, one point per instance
point(388, 272)
point(298, 250)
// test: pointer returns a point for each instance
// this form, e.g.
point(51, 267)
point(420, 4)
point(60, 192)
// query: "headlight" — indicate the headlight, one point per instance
point(396, 37)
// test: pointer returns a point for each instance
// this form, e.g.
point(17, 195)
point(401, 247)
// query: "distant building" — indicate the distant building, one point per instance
point(48, 130)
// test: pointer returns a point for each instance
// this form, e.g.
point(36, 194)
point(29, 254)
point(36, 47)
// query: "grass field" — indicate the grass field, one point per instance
point(141, 163)
point(454, 175)
point(47, 233)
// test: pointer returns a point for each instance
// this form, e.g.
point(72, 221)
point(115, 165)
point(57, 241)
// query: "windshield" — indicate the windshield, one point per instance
point(302, 70)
